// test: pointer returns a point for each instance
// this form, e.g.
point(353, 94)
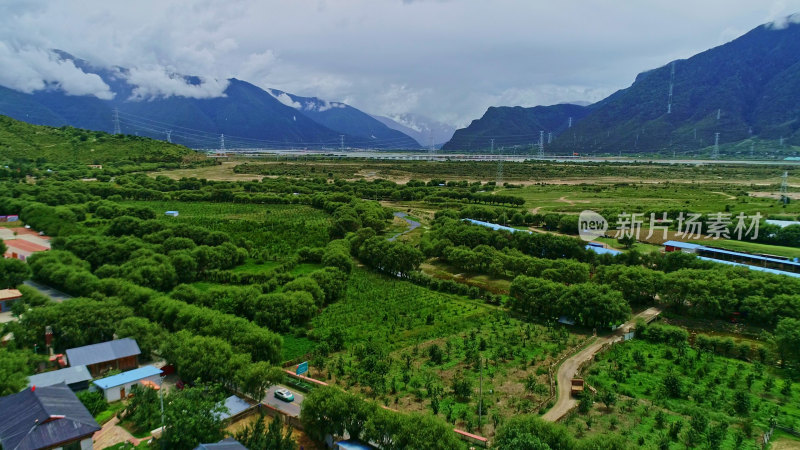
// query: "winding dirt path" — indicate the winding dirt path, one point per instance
point(570, 366)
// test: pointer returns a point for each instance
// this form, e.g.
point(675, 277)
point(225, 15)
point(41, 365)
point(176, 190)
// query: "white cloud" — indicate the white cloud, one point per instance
point(322, 105)
point(285, 99)
point(784, 21)
point(159, 82)
point(443, 59)
point(31, 69)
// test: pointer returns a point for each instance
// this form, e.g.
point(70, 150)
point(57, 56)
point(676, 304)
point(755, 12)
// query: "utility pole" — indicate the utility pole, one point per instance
point(117, 129)
point(163, 430)
point(715, 153)
point(480, 396)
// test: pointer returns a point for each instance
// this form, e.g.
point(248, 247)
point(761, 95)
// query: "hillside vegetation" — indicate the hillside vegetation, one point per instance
point(20, 140)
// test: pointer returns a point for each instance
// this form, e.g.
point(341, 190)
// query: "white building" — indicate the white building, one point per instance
point(117, 387)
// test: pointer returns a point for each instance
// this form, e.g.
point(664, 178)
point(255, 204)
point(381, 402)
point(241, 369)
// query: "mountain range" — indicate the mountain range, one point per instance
point(245, 116)
point(746, 89)
point(426, 131)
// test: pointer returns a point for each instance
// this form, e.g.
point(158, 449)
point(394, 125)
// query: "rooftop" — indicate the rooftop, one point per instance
point(782, 223)
point(43, 418)
point(25, 246)
point(225, 444)
point(495, 226)
point(105, 351)
point(680, 244)
point(127, 377)
point(235, 406)
point(9, 294)
point(603, 250)
point(69, 375)
point(756, 268)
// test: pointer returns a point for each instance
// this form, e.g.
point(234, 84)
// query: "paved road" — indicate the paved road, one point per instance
point(412, 225)
point(55, 295)
point(570, 366)
point(291, 409)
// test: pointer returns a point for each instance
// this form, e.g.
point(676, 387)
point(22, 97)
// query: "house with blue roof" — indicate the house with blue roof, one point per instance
point(762, 263)
point(117, 387)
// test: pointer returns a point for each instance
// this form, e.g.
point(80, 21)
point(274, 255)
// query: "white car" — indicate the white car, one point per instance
point(284, 394)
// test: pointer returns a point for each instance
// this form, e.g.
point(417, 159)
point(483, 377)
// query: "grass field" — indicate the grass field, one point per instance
point(641, 197)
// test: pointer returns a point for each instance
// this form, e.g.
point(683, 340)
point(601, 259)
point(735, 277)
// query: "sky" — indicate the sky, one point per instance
point(445, 59)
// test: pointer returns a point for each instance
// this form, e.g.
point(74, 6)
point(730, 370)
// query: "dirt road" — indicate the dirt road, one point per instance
point(570, 366)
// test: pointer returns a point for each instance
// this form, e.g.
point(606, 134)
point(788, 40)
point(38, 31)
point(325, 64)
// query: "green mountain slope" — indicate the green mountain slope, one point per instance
point(747, 90)
point(20, 140)
point(515, 126)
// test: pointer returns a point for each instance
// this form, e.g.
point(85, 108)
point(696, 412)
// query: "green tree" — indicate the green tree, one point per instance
point(673, 386)
point(144, 408)
point(15, 366)
point(787, 340)
point(255, 379)
point(13, 272)
point(585, 403)
point(192, 416)
point(594, 305)
point(608, 398)
point(93, 401)
point(532, 433)
point(147, 334)
point(259, 436)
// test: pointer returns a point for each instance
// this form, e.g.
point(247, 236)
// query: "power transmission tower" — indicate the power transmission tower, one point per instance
point(169, 136)
point(569, 125)
point(752, 147)
point(117, 129)
point(719, 113)
point(785, 184)
point(499, 177)
point(549, 137)
point(715, 152)
point(541, 144)
point(341, 142)
point(222, 143)
point(671, 84)
point(492, 150)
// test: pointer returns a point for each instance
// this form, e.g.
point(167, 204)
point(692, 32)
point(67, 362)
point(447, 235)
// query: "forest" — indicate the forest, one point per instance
point(256, 275)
